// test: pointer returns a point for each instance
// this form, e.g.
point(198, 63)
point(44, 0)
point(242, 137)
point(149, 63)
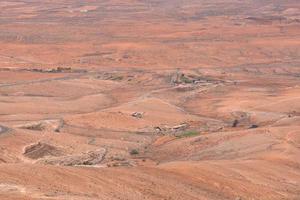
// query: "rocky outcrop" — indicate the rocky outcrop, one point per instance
point(88, 158)
point(40, 150)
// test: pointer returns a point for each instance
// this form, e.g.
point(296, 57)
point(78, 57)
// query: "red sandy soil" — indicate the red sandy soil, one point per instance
point(150, 100)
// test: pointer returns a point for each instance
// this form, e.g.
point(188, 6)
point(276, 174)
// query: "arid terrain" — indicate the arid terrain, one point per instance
point(149, 99)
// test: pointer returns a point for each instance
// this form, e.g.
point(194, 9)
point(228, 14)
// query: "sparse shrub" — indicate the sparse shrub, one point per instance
point(253, 126)
point(235, 123)
point(91, 141)
point(188, 134)
point(134, 152)
point(185, 79)
point(117, 78)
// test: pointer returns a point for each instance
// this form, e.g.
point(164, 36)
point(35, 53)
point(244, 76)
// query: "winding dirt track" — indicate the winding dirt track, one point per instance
point(187, 100)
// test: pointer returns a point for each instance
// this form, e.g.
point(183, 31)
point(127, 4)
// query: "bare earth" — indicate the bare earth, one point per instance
point(156, 99)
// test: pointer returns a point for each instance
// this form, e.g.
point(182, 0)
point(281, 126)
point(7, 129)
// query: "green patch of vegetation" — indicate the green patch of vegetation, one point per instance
point(188, 134)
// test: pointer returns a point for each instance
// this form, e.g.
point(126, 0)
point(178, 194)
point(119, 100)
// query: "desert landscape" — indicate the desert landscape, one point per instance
point(149, 99)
